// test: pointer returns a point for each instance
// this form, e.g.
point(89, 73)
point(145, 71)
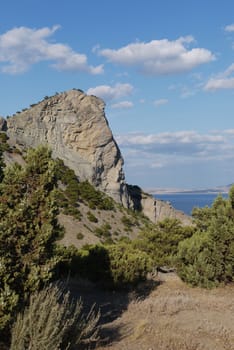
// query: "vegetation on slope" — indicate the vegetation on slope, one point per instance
point(30, 257)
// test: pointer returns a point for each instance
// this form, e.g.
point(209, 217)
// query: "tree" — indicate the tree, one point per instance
point(207, 258)
point(2, 164)
point(161, 241)
point(28, 230)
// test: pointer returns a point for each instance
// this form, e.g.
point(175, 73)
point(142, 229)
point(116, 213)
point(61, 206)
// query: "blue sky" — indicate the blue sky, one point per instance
point(164, 68)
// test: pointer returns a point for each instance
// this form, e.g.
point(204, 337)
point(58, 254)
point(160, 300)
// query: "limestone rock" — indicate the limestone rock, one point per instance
point(155, 209)
point(75, 127)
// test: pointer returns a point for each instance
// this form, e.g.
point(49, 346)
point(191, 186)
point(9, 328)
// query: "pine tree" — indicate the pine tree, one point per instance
point(28, 230)
point(2, 164)
point(207, 258)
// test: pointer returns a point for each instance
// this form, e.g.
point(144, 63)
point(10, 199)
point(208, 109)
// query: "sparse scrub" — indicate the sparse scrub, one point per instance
point(79, 236)
point(103, 231)
point(54, 321)
point(91, 217)
point(127, 222)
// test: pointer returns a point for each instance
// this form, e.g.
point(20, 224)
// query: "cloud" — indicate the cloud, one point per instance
point(219, 83)
point(161, 102)
point(223, 80)
point(184, 147)
point(229, 28)
point(178, 159)
point(160, 57)
point(108, 93)
point(122, 105)
point(22, 47)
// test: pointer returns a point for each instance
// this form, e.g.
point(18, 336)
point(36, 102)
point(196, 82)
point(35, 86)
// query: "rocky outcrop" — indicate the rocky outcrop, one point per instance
point(76, 129)
point(155, 209)
point(74, 126)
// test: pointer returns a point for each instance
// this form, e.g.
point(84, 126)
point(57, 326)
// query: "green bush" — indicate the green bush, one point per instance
point(114, 265)
point(91, 217)
point(28, 231)
point(127, 222)
point(103, 231)
point(76, 191)
point(79, 235)
point(161, 241)
point(4, 146)
point(207, 258)
point(128, 265)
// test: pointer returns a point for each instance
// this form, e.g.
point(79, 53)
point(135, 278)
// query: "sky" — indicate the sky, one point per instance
point(165, 69)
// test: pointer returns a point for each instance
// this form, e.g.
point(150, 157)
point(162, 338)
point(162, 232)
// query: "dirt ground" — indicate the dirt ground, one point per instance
point(166, 315)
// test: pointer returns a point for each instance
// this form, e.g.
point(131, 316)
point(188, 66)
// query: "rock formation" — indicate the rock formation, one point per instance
point(76, 129)
point(74, 126)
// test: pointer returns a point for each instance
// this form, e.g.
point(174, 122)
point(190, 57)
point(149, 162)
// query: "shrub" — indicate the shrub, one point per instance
point(92, 217)
point(3, 142)
point(161, 241)
point(79, 235)
point(53, 321)
point(114, 265)
point(127, 222)
point(103, 231)
point(28, 231)
point(81, 191)
point(207, 258)
point(128, 265)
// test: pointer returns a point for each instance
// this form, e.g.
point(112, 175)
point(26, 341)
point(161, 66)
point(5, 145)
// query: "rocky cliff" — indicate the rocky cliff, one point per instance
point(74, 126)
point(76, 129)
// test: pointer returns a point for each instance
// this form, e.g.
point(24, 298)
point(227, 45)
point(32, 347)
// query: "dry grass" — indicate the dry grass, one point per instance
point(177, 317)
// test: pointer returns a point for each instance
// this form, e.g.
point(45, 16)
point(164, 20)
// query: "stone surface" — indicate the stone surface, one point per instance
point(76, 129)
point(155, 209)
point(74, 126)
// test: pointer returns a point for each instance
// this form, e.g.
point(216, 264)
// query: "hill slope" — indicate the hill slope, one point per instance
point(74, 126)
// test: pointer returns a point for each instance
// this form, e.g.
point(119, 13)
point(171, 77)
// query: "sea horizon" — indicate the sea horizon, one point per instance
point(186, 201)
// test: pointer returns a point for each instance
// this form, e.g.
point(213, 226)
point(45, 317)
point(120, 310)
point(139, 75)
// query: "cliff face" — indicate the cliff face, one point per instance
point(74, 126)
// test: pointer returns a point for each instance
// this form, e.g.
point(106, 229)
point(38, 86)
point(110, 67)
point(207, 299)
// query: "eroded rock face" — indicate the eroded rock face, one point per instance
point(155, 209)
point(75, 127)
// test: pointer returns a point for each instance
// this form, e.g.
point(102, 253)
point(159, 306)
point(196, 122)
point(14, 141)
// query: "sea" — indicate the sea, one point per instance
point(187, 201)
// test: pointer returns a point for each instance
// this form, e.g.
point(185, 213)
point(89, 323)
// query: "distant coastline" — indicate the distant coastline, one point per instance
point(187, 201)
point(215, 190)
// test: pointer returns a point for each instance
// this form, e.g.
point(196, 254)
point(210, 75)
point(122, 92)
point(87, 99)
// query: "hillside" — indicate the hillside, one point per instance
point(46, 207)
point(75, 127)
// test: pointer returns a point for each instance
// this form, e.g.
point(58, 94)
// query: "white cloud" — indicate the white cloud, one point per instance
point(122, 105)
point(184, 147)
point(229, 28)
point(159, 57)
point(161, 102)
point(22, 47)
point(223, 80)
point(108, 93)
point(171, 158)
point(219, 83)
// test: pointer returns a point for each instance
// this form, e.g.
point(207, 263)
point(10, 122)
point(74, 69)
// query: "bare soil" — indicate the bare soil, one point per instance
point(165, 314)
